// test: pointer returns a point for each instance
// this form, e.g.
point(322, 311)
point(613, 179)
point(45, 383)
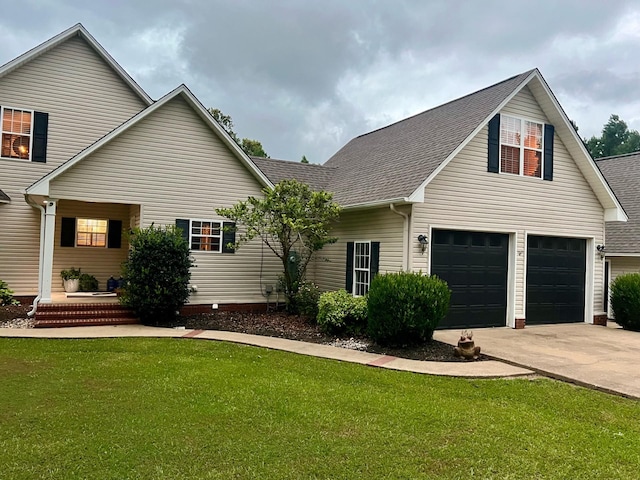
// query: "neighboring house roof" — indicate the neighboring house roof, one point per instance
point(80, 31)
point(41, 187)
point(623, 174)
point(395, 163)
point(4, 198)
point(316, 176)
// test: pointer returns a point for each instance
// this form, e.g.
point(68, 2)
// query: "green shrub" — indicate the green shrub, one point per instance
point(406, 307)
point(88, 283)
point(625, 301)
point(305, 301)
point(6, 295)
point(340, 312)
point(156, 274)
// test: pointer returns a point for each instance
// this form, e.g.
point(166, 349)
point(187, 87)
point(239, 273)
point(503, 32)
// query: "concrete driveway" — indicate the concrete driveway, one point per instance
point(607, 358)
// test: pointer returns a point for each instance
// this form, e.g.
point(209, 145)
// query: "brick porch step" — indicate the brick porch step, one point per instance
point(83, 314)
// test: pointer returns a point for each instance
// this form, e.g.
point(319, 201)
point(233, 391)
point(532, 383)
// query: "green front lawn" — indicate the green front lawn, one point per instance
point(171, 408)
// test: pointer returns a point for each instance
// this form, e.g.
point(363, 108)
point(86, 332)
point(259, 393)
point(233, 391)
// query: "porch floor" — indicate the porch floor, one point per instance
point(84, 297)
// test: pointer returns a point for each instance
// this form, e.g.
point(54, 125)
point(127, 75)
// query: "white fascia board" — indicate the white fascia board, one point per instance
point(77, 29)
point(377, 203)
point(418, 193)
point(610, 198)
point(612, 254)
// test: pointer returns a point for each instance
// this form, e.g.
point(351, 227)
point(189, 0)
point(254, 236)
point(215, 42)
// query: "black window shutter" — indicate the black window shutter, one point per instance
point(375, 259)
point(493, 165)
point(115, 234)
point(548, 151)
point(228, 236)
point(183, 225)
point(40, 128)
point(349, 276)
point(68, 232)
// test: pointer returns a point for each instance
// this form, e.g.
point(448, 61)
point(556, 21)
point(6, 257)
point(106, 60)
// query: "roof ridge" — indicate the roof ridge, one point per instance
point(523, 74)
point(294, 162)
point(611, 157)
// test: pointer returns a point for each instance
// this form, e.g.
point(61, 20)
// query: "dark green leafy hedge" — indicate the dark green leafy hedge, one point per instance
point(625, 300)
point(340, 312)
point(6, 294)
point(406, 307)
point(156, 274)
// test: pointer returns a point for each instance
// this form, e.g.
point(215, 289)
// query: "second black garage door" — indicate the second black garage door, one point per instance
point(474, 264)
point(556, 269)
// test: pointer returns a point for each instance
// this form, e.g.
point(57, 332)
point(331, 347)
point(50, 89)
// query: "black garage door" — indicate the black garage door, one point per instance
point(555, 280)
point(474, 264)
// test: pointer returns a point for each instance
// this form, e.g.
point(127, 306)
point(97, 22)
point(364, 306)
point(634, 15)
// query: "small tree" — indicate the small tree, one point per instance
point(292, 220)
point(156, 274)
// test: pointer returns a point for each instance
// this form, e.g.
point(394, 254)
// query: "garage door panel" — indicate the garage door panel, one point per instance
point(474, 264)
point(556, 268)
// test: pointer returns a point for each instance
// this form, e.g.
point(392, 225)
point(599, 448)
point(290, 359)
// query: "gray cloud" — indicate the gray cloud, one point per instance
point(305, 77)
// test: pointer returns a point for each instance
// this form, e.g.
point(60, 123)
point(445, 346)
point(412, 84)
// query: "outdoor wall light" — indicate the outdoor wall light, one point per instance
point(424, 241)
point(602, 250)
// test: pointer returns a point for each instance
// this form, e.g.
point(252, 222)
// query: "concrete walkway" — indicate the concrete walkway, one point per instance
point(607, 358)
point(485, 369)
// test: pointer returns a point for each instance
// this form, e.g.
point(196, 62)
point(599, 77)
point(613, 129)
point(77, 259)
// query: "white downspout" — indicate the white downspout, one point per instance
point(405, 239)
point(34, 306)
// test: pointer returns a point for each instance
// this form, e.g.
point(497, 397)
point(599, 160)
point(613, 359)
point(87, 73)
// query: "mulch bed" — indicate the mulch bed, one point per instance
point(283, 325)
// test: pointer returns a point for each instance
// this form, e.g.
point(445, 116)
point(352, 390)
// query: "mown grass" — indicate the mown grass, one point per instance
point(170, 408)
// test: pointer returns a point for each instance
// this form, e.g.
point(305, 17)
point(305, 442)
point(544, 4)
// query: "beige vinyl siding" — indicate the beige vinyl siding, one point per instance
point(375, 225)
point(85, 100)
point(100, 262)
point(622, 265)
point(174, 166)
point(465, 196)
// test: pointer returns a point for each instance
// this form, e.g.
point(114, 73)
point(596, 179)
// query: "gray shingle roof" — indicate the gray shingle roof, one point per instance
point(316, 176)
point(623, 175)
point(393, 161)
point(4, 197)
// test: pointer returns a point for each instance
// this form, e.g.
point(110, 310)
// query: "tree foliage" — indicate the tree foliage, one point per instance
point(251, 147)
point(304, 159)
point(616, 139)
point(292, 220)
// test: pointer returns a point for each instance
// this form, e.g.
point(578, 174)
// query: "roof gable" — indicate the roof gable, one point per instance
point(79, 31)
point(41, 187)
point(316, 176)
point(622, 172)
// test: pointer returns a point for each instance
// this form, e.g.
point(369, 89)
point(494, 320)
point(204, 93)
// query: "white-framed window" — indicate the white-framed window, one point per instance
point(521, 146)
point(206, 236)
point(91, 232)
point(361, 268)
point(17, 129)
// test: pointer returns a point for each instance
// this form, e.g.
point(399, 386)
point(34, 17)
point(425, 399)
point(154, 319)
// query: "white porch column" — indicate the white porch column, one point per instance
point(47, 256)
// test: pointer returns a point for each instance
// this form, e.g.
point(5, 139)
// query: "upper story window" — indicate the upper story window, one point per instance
point(91, 232)
point(17, 127)
point(521, 147)
point(206, 236)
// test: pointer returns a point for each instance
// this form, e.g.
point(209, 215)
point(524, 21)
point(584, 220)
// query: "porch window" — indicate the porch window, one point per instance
point(91, 232)
point(16, 133)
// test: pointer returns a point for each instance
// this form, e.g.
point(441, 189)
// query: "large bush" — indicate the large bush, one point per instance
point(406, 307)
point(625, 300)
point(156, 274)
point(6, 294)
point(340, 312)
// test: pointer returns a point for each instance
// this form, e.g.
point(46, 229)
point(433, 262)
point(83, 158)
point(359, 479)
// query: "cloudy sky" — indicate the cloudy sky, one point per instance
point(304, 77)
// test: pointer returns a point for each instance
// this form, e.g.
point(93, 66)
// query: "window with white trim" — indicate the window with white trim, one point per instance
point(361, 268)
point(17, 128)
point(206, 236)
point(521, 147)
point(91, 232)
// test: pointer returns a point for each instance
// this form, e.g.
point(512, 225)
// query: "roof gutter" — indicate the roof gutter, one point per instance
point(378, 203)
point(405, 237)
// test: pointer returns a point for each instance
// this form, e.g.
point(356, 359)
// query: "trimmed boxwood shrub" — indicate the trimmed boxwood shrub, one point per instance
point(625, 301)
point(340, 312)
point(156, 274)
point(406, 307)
point(6, 294)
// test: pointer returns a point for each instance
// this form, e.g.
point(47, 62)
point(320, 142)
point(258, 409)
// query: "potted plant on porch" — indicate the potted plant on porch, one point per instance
point(71, 279)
